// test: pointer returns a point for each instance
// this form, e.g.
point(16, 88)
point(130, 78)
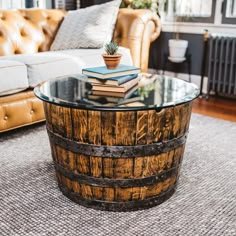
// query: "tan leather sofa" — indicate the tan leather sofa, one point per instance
point(36, 28)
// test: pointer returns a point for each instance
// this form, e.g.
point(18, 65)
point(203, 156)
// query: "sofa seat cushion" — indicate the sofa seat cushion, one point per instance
point(49, 65)
point(46, 65)
point(93, 57)
point(13, 77)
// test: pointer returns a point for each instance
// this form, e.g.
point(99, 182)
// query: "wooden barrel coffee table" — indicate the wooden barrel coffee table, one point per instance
point(113, 153)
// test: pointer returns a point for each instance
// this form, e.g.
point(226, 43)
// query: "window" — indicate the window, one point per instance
point(65, 4)
point(17, 4)
point(229, 12)
point(12, 4)
point(192, 10)
point(35, 3)
point(231, 8)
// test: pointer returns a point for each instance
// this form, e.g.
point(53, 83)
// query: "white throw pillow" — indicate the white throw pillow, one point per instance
point(89, 27)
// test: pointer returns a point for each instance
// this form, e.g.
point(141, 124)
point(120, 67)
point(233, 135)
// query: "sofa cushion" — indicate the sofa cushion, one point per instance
point(93, 57)
point(44, 66)
point(48, 65)
point(89, 27)
point(13, 77)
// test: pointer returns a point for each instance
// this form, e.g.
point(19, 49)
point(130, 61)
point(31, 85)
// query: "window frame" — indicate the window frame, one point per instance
point(194, 19)
point(200, 19)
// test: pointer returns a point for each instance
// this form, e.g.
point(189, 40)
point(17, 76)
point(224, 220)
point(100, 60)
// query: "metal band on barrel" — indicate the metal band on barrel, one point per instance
point(119, 206)
point(116, 151)
point(106, 182)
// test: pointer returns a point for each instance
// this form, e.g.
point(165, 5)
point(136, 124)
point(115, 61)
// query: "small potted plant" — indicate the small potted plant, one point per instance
point(111, 57)
point(177, 46)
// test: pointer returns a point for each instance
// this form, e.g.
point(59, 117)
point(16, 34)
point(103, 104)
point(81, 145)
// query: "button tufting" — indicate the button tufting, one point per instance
point(17, 51)
point(22, 33)
point(45, 31)
point(5, 117)
point(32, 111)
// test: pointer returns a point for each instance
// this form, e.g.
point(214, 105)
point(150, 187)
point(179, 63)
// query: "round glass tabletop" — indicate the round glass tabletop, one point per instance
point(152, 92)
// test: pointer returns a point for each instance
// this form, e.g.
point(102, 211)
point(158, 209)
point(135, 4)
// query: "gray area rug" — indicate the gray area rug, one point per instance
point(204, 204)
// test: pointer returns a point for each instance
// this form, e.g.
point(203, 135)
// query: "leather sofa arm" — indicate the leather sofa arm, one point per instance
point(136, 29)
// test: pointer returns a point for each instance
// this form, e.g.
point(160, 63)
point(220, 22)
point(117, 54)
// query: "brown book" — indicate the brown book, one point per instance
point(115, 94)
point(117, 89)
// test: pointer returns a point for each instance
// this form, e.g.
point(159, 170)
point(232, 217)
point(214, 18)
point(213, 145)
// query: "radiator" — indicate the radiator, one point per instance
point(222, 65)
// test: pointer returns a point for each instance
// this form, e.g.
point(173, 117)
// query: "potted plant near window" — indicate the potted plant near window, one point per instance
point(177, 49)
point(177, 46)
point(141, 4)
point(111, 56)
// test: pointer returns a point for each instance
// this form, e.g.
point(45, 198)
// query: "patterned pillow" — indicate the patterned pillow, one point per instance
point(89, 27)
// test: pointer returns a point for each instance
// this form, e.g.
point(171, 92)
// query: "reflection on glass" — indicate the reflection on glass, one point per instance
point(155, 92)
point(144, 91)
point(68, 89)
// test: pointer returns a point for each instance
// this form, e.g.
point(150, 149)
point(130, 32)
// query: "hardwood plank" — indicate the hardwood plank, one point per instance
point(217, 107)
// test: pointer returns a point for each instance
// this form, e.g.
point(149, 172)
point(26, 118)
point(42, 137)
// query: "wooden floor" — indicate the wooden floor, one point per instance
point(217, 107)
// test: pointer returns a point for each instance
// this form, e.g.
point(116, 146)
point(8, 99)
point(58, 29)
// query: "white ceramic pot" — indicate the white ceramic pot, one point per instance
point(177, 47)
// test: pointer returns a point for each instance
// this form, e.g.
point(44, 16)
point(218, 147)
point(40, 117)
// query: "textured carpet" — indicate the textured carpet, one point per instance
point(204, 204)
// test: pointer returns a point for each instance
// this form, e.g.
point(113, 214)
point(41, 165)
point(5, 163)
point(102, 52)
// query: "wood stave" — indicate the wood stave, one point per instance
point(137, 167)
point(121, 206)
point(167, 124)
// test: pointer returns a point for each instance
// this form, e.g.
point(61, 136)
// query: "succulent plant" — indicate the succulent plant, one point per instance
point(142, 4)
point(111, 48)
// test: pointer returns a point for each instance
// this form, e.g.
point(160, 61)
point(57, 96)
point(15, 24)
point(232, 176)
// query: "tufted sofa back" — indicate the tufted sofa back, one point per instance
point(28, 30)
point(33, 30)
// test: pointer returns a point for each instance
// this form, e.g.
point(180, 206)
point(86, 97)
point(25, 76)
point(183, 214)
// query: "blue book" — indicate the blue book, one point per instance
point(114, 81)
point(102, 72)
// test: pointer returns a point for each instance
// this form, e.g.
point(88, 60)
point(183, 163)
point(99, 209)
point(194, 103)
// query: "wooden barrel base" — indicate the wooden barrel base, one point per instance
point(119, 206)
point(117, 160)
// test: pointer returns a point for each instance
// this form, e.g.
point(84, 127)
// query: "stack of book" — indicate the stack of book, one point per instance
point(119, 83)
